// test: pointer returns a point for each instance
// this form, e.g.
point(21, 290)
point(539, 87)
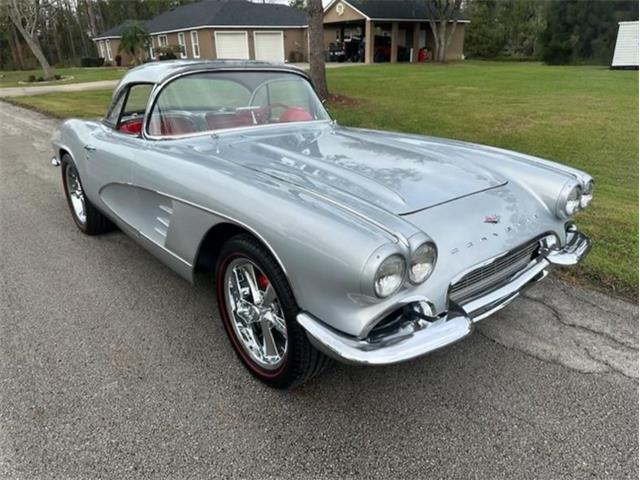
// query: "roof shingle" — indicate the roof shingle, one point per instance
point(236, 13)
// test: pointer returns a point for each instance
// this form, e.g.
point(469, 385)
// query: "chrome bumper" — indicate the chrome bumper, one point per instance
point(419, 337)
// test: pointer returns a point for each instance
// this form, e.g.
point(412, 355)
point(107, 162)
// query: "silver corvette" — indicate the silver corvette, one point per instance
point(321, 241)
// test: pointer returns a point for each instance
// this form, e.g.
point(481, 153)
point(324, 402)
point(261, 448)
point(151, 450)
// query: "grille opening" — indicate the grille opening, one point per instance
point(486, 278)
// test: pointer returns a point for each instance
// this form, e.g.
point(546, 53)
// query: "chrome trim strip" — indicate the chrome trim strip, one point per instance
point(182, 73)
point(149, 239)
point(205, 209)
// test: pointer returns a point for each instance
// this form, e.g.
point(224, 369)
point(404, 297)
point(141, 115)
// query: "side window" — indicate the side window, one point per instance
point(127, 111)
point(137, 100)
point(114, 111)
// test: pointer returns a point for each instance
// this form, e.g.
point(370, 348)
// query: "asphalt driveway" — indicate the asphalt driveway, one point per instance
point(113, 367)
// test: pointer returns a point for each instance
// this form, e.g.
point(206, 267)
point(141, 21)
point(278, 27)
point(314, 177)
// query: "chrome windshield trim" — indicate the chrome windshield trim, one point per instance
point(160, 86)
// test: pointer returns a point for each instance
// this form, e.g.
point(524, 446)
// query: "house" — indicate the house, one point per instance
point(235, 29)
point(386, 30)
point(625, 54)
point(361, 30)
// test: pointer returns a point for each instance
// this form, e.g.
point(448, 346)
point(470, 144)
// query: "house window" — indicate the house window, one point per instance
point(162, 40)
point(101, 48)
point(195, 46)
point(109, 55)
point(183, 45)
point(151, 50)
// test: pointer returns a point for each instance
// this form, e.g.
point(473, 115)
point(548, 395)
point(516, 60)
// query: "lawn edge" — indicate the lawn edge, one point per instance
point(622, 291)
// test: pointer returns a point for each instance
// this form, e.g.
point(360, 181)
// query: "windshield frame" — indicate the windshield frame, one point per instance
point(155, 94)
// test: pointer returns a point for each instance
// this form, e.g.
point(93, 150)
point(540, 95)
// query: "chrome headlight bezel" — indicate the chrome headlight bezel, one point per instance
point(568, 203)
point(373, 268)
point(587, 194)
point(426, 250)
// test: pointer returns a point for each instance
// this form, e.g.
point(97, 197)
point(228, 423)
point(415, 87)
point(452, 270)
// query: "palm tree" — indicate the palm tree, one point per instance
point(134, 39)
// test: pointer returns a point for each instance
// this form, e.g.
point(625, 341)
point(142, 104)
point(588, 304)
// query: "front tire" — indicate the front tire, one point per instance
point(86, 217)
point(258, 312)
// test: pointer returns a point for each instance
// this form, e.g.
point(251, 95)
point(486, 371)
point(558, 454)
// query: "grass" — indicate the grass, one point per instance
point(14, 77)
point(582, 116)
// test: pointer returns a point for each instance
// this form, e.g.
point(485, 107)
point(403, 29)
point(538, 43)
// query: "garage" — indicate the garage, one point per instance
point(269, 46)
point(232, 45)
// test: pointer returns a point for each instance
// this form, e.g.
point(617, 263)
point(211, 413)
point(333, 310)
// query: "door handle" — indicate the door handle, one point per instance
point(89, 148)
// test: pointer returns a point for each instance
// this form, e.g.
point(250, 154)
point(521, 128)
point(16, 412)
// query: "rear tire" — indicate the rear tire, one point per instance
point(295, 360)
point(86, 217)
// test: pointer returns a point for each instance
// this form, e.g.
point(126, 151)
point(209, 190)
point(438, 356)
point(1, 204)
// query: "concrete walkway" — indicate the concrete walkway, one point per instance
point(71, 87)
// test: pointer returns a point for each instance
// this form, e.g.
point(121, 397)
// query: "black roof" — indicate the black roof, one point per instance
point(395, 9)
point(240, 13)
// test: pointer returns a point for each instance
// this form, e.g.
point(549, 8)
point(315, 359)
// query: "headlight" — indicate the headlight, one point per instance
point(587, 195)
point(569, 200)
point(389, 276)
point(422, 263)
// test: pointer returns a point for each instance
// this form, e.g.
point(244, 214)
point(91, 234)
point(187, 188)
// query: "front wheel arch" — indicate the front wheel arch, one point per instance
point(214, 240)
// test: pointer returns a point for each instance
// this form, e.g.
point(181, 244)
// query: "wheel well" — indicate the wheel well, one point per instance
point(62, 153)
point(213, 241)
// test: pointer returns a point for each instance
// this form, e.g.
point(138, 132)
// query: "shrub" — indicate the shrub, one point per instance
point(92, 62)
point(119, 60)
point(40, 78)
point(57, 77)
point(31, 79)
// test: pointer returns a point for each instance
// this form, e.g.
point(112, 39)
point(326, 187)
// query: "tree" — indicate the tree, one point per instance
point(499, 27)
point(442, 13)
point(134, 39)
point(25, 15)
point(298, 4)
point(583, 31)
point(315, 15)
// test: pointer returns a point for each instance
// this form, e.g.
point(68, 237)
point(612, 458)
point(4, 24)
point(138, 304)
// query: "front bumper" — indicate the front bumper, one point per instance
point(420, 336)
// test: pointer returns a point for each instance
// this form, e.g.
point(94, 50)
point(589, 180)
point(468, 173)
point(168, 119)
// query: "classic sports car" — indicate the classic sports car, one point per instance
point(364, 246)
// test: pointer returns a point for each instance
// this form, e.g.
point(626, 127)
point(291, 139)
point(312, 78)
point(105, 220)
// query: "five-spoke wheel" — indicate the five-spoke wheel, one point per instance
point(259, 311)
point(255, 313)
point(86, 216)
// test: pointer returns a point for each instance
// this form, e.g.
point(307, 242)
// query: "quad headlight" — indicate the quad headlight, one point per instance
point(569, 200)
point(423, 261)
point(587, 194)
point(389, 276)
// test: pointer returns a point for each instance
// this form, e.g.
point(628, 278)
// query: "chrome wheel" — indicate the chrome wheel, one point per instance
point(255, 313)
point(75, 193)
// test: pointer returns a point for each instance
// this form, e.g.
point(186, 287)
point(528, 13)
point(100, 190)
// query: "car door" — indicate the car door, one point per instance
point(110, 152)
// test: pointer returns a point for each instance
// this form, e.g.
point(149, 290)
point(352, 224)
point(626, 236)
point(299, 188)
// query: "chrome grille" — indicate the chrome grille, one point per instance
point(483, 279)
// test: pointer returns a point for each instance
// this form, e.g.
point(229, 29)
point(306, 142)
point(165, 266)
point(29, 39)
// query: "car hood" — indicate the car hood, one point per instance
point(388, 170)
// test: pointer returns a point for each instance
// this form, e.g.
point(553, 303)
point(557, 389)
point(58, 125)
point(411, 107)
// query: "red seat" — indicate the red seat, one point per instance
point(295, 114)
point(132, 127)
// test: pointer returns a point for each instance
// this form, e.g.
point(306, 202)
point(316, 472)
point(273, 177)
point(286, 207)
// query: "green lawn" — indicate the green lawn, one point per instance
point(586, 117)
point(13, 77)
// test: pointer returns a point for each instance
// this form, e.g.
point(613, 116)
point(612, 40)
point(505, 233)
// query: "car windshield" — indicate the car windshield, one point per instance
point(212, 101)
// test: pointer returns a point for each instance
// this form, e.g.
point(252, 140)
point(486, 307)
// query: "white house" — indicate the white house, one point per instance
point(626, 52)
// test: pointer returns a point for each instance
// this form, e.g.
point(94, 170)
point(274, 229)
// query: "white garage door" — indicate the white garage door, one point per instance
point(269, 46)
point(232, 45)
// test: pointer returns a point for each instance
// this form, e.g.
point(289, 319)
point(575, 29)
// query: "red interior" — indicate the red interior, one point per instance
point(295, 114)
point(132, 127)
point(238, 119)
point(172, 125)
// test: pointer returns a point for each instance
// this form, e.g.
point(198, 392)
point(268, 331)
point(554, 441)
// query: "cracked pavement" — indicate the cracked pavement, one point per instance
point(113, 367)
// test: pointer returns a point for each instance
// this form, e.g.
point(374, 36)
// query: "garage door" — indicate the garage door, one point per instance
point(232, 45)
point(269, 46)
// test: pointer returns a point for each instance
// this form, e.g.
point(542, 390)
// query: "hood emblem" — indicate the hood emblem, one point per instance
point(492, 219)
